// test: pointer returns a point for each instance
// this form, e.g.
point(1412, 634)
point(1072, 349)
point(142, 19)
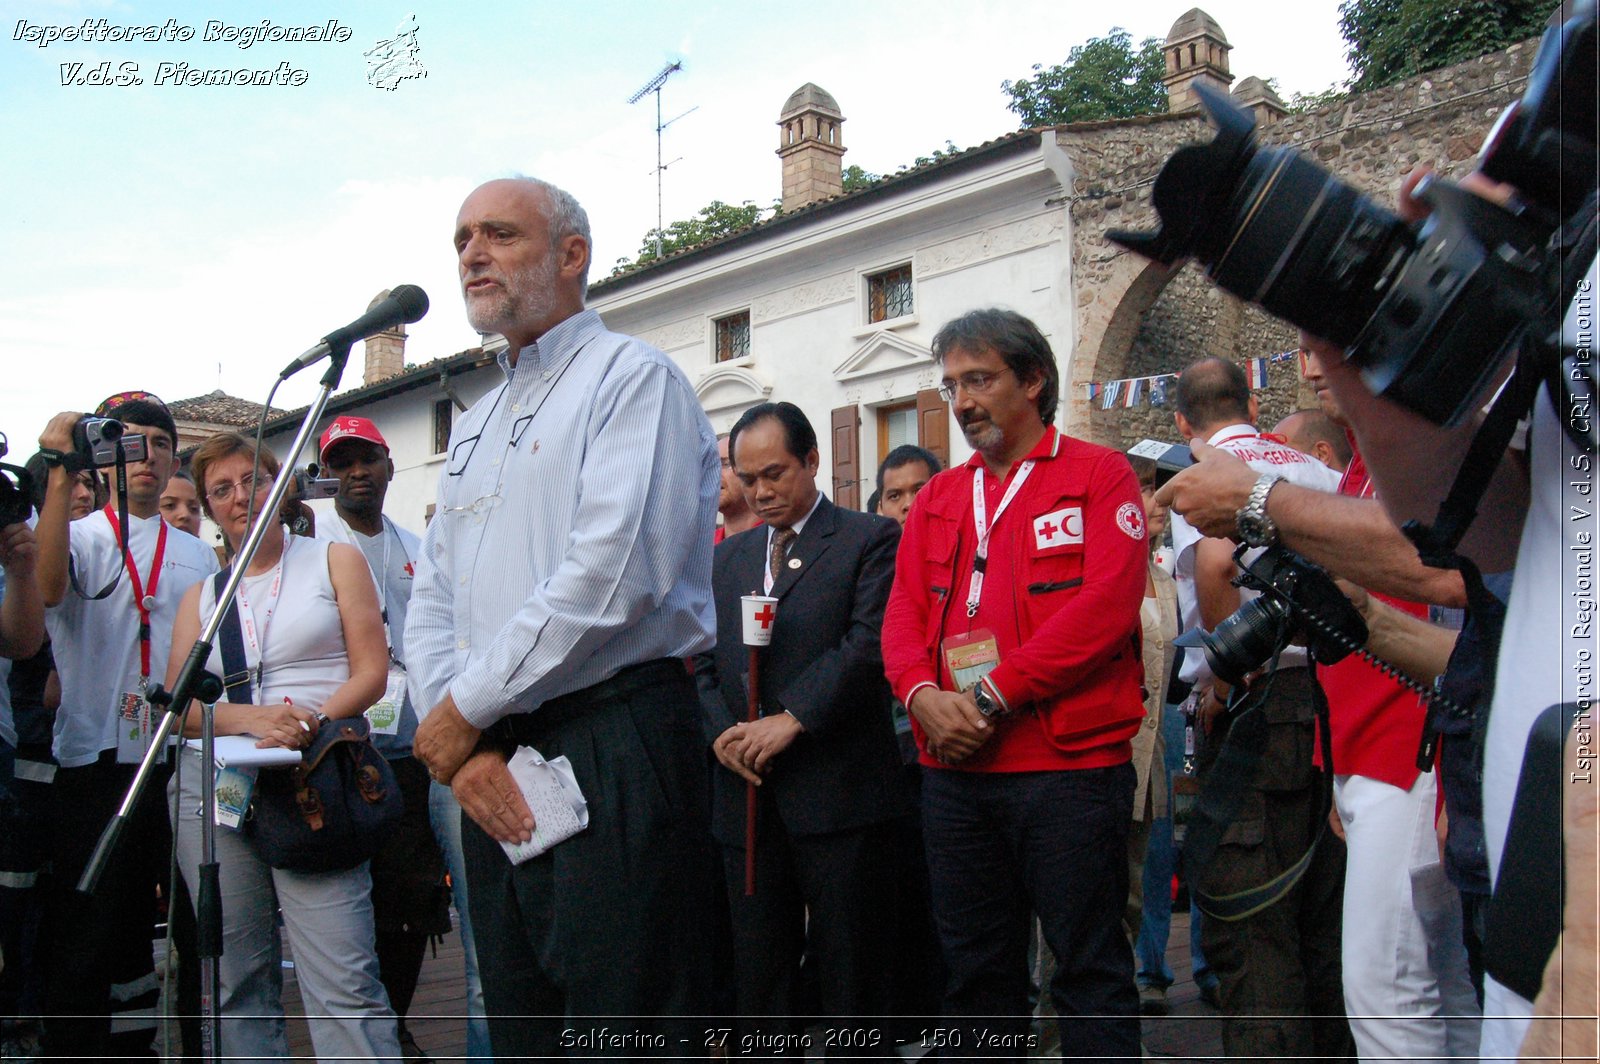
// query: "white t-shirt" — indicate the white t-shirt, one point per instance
point(96, 644)
point(1547, 652)
point(391, 557)
point(1264, 456)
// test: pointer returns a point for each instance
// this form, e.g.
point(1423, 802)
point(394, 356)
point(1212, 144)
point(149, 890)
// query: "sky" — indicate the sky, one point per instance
point(181, 238)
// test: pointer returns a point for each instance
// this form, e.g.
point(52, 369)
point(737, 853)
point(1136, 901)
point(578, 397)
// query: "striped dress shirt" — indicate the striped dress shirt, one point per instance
point(573, 531)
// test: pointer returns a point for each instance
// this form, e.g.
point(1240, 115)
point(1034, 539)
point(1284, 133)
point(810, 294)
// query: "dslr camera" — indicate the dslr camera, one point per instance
point(1429, 312)
point(1299, 603)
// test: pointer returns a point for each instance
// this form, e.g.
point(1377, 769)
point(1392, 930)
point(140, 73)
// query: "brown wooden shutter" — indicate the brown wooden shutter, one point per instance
point(933, 424)
point(847, 457)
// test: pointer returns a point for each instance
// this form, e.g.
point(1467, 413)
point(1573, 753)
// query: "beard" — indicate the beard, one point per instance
point(984, 435)
point(525, 295)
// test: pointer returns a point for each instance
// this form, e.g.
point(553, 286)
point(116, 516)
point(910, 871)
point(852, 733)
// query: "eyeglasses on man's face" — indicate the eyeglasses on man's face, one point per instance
point(974, 383)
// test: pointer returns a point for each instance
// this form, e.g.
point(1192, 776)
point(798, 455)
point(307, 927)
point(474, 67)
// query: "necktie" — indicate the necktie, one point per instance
point(781, 538)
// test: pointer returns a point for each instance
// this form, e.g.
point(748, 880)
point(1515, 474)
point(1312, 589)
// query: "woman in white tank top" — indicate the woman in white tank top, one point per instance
point(314, 641)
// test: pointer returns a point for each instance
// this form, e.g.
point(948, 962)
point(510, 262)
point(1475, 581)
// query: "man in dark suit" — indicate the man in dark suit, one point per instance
point(823, 753)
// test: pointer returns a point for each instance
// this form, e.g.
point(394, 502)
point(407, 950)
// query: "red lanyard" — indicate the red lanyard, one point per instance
point(144, 597)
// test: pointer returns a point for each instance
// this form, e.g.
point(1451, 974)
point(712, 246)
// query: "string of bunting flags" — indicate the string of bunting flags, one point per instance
point(1135, 391)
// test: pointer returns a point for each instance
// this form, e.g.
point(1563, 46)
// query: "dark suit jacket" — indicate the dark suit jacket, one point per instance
point(823, 666)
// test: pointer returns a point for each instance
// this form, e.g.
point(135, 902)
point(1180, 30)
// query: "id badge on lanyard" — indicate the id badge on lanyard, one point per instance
point(134, 724)
point(383, 716)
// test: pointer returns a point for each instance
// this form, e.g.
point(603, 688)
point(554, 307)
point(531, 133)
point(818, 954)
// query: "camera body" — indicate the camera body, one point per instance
point(1429, 312)
point(96, 440)
point(310, 484)
point(16, 491)
point(1299, 602)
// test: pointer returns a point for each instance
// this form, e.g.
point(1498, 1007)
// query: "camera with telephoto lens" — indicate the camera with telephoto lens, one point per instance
point(95, 441)
point(1299, 603)
point(16, 491)
point(1430, 311)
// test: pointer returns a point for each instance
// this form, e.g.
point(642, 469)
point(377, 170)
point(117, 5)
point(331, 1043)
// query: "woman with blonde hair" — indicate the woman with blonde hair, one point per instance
point(314, 644)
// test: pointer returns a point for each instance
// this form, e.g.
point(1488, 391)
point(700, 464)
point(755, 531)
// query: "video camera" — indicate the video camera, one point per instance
point(16, 490)
point(309, 483)
point(96, 441)
point(1429, 312)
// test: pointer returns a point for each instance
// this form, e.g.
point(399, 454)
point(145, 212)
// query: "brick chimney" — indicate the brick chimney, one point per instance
point(810, 145)
point(1196, 50)
point(385, 351)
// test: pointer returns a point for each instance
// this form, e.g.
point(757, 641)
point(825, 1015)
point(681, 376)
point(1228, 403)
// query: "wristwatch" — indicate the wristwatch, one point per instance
point(1256, 529)
point(991, 707)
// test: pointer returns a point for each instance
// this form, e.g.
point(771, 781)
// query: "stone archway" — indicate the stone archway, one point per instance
point(1107, 326)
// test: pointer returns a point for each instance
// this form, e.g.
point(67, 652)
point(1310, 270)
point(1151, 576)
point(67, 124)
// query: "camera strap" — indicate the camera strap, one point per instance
point(118, 532)
point(1222, 795)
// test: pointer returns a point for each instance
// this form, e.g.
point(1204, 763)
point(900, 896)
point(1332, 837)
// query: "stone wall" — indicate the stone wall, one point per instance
point(1133, 319)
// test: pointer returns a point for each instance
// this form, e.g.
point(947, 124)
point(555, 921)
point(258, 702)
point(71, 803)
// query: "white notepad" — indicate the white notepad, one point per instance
point(241, 751)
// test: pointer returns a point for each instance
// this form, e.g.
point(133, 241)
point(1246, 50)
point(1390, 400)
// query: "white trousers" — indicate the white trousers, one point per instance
point(328, 918)
point(1407, 989)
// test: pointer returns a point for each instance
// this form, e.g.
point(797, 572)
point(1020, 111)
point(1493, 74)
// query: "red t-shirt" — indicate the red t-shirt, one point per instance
point(1376, 723)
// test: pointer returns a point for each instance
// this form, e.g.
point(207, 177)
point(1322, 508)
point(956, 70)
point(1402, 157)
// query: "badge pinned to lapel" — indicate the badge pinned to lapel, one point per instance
point(794, 563)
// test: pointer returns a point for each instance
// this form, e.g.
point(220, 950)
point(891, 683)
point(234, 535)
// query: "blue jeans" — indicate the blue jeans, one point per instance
point(445, 813)
point(1160, 862)
point(1003, 846)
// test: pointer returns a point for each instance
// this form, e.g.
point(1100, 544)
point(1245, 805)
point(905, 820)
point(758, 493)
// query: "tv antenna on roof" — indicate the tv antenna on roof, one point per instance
point(654, 86)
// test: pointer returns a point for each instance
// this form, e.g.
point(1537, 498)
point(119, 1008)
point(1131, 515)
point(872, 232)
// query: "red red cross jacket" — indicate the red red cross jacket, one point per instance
point(1062, 588)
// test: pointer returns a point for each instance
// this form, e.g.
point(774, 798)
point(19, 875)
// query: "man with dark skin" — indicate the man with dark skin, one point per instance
point(407, 872)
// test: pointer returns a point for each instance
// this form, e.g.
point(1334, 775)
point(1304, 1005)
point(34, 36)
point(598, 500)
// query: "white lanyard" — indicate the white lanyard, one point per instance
point(381, 578)
point(980, 522)
point(255, 639)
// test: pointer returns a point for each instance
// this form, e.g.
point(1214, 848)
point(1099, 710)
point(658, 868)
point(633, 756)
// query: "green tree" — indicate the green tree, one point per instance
point(716, 219)
point(1394, 39)
point(938, 153)
point(855, 177)
point(1102, 78)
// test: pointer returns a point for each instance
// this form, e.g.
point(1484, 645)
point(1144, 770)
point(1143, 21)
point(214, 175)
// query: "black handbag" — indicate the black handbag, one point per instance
point(329, 812)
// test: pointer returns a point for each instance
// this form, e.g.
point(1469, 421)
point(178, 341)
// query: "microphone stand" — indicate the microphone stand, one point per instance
point(195, 682)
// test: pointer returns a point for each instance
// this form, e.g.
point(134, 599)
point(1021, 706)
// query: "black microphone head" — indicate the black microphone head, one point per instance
point(412, 300)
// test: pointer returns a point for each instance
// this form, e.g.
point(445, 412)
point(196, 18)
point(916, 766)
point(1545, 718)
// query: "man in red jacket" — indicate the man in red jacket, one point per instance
point(1012, 636)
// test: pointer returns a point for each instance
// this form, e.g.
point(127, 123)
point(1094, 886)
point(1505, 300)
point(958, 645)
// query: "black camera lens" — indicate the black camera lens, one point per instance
point(1428, 312)
point(1245, 641)
point(1274, 228)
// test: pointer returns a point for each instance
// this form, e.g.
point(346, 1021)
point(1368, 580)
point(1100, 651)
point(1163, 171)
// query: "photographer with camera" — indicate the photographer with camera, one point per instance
point(21, 607)
point(1407, 989)
point(112, 582)
point(1278, 966)
point(1486, 287)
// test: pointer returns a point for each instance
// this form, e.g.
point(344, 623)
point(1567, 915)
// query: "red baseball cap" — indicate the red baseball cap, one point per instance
point(349, 427)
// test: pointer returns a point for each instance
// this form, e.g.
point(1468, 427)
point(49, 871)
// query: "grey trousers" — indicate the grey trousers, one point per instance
point(328, 918)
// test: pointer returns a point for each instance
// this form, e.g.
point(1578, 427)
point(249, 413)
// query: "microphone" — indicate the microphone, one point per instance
point(402, 306)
